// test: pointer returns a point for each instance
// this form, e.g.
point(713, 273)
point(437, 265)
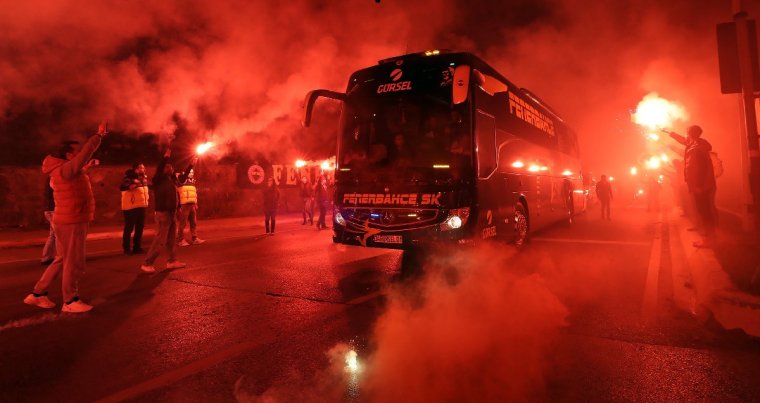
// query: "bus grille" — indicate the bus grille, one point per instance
point(391, 219)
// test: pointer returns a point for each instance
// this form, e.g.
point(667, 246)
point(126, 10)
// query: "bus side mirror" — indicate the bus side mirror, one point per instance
point(311, 98)
point(461, 87)
point(489, 84)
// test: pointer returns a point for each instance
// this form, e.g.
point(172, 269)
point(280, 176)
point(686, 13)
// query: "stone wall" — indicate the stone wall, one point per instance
point(21, 195)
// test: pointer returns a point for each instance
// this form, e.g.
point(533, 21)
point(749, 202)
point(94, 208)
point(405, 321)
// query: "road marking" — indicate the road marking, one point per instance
point(365, 298)
point(38, 320)
point(203, 364)
point(101, 253)
point(589, 241)
point(180, 373)
point(649, 304)
point(118, 251)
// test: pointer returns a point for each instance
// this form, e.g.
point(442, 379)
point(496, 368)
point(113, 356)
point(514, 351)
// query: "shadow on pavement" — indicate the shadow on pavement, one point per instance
point(43, 370)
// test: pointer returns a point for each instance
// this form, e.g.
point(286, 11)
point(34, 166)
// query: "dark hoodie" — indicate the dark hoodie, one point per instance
point(132, 178)
point(72, 192)
point(698, 168)
point(165, 189)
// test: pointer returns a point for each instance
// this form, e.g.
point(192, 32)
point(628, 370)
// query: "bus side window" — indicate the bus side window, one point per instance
point(485, 147)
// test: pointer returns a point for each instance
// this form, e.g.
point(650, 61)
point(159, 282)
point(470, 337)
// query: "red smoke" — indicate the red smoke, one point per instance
point(238, 69)
point(488, 336)
point(472, 329)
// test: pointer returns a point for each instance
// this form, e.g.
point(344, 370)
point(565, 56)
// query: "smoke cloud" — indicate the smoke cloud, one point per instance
point(471, 329)
point(235, 72)
point(477, 332)
point(228, 71)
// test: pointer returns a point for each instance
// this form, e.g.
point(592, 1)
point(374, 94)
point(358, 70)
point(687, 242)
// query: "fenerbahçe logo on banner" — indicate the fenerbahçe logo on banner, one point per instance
point(396, 85)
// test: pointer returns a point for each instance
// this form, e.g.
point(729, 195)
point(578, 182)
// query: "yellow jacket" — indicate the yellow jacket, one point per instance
point(135, 198)
point(188, 194)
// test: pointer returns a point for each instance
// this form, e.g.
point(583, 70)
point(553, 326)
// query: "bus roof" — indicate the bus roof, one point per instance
point(462, 58)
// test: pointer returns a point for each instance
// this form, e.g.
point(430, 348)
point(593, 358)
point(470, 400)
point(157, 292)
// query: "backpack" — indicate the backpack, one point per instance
point(717, 164)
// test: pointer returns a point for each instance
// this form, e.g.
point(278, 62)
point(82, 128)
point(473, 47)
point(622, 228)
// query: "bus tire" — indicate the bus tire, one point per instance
point(522, 225)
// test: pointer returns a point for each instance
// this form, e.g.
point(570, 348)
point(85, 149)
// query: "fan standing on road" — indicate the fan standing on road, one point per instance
point(165, 191)
point(134, 201)
point(74, 209)
point(700, 180)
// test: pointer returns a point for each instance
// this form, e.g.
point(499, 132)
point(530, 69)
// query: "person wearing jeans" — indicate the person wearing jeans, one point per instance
point(48, 252)
point(188, 206)
point(322, 197)
point(74, 209)
point(306, 192)
point(271, 197)
point(165, 192)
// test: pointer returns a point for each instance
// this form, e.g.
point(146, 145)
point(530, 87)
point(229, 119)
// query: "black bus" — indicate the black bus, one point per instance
point(438, 146)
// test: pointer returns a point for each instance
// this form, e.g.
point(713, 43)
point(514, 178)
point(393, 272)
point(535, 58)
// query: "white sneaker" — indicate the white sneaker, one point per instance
point(175, 265)
point(76, 307)
point(147, 269)
point(183, 243)
point(198, 241)
point(42, 301)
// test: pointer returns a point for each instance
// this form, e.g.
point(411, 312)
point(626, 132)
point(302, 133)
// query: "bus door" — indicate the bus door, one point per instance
point(488, 185)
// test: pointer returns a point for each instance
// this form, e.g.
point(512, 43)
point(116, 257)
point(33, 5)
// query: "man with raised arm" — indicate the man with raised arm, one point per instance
point(700, 180)
point(74, 209)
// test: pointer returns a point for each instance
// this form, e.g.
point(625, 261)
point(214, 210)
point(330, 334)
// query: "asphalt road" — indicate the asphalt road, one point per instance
point(254, 317)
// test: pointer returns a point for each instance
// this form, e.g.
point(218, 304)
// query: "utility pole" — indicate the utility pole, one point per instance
point(748, 97)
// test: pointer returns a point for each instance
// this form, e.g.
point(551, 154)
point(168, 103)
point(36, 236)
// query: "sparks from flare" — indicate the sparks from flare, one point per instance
point(203, 148)
point(654, 113)
point(653, 163)
point(352, 361)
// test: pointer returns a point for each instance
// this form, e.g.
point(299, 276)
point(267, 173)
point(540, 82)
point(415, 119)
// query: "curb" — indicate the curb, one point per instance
point(93, 236)
point(206, 225)
point(731, 307)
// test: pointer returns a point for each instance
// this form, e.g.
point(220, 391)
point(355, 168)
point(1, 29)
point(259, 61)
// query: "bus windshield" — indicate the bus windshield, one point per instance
point(405, 132)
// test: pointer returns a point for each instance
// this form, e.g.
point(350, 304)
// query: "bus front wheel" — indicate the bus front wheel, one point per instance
point(521, 225)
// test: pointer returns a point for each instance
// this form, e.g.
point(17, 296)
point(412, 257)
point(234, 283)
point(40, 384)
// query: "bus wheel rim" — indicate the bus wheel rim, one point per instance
point(521, 226)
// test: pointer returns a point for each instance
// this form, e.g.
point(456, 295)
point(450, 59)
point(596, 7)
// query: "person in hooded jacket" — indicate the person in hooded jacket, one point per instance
point(165, 193)
point(306, 191)
point(322, 198)
point(271, 196)
point(134, 201)
point(48, 251)
point(74, 209)
point(700, 180)
point(188, 206)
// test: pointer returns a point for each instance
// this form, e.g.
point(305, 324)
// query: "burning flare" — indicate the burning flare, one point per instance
point(654, 113)
point(203, 148)
point(653, 163)
point(352, 361)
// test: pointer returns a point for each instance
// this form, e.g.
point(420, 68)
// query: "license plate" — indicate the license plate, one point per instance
point(397, 239)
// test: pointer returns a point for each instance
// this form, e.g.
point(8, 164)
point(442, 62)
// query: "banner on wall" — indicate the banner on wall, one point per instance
point(254, 175)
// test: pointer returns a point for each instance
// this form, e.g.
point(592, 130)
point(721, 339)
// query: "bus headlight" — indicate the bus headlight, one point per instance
point(456, 219)
point(454, 222)
point(339, 217)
